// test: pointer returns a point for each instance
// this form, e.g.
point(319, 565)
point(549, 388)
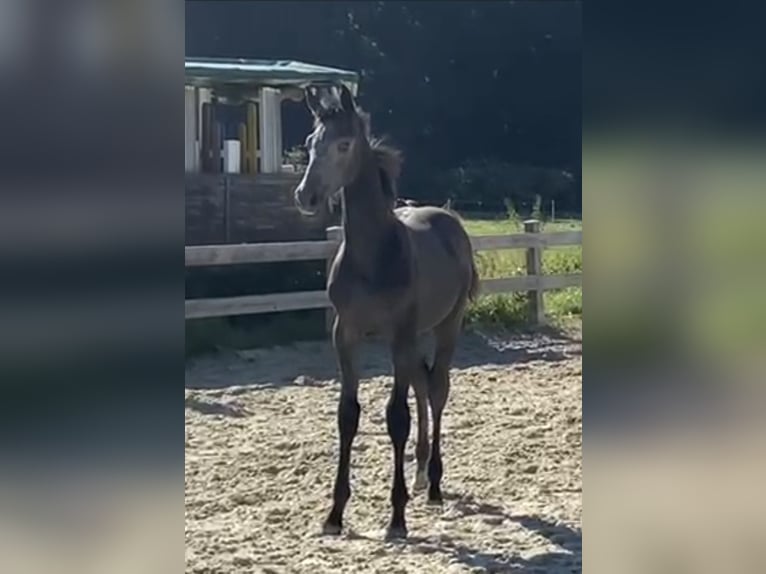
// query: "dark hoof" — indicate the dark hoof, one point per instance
point(331, 529)
point(435, 498)
point(396, 533)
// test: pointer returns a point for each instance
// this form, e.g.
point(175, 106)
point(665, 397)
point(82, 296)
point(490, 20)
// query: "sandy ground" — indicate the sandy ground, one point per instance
point(261, 453)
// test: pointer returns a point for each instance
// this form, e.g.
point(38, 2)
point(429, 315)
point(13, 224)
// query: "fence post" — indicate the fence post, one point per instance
point(226, 208)
point(536, 310)
point(335, 234)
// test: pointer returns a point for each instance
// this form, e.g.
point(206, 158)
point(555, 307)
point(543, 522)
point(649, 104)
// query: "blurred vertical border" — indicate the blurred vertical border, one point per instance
point(91, 295)
point(674, 195)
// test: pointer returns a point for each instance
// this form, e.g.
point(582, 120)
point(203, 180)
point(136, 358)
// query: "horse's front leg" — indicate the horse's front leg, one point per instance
point(398, 421)
point(348, 422)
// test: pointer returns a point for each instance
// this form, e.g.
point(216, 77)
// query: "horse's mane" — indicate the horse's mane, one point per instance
point(389, 161)
point(388, 158)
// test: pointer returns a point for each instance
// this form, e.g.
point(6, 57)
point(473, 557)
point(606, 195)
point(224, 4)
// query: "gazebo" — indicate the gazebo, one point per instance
point(238, 182)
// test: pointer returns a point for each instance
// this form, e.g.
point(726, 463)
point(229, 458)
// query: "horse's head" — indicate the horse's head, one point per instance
point(334, 147)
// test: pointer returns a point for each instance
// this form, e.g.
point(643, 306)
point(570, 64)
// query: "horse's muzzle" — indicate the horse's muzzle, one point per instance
point(306, 200)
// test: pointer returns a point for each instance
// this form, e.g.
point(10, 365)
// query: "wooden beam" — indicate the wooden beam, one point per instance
point(525, 240)
point(203, 255)
point(253, 304)
point(272, 303)
point(528, 283)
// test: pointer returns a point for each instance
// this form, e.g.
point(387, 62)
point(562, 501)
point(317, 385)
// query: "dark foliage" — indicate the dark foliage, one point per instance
point(456, 85)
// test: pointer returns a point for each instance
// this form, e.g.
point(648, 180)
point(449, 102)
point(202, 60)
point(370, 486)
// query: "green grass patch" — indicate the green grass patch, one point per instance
point(510, 309)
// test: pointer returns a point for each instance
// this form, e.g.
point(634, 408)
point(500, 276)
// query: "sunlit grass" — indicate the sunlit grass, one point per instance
point(510, 309)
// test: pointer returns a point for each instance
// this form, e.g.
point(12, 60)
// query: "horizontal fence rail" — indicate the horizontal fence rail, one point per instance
point(207, 255)
point(534, 282)
point(251, 304)
point(528, 240)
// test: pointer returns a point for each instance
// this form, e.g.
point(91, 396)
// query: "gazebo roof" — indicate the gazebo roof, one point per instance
point(210, 72)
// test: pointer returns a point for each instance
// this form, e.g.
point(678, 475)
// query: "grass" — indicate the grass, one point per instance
point(509, 309)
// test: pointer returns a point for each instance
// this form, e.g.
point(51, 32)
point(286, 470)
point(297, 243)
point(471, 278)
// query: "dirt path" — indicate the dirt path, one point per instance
point(261, 451)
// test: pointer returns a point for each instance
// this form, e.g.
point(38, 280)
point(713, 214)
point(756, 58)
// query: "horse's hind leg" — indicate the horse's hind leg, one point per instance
point(422, 449)
point(398, 422)
point(438, 391)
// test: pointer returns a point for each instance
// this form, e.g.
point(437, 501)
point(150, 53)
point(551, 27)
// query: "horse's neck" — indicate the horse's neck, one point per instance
point(367, 215)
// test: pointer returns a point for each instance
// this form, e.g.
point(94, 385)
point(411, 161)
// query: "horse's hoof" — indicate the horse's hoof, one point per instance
point(331, 529)
point(396, 533)
point(421, 481)
point(435, 498)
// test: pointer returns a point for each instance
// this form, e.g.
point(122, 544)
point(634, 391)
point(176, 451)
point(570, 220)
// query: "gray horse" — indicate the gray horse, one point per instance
point(399, 273)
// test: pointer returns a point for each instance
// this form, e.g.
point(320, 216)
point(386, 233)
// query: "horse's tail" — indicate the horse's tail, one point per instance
point(474, 282)
point(473, 288)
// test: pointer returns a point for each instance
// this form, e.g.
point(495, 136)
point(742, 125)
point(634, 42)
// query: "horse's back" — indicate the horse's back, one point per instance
point(443, 257)
point(431, 226)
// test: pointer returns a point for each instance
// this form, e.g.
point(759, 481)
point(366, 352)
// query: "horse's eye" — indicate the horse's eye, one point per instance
point(343, 147)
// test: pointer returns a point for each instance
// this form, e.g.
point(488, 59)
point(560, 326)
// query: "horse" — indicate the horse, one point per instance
point(400, 274)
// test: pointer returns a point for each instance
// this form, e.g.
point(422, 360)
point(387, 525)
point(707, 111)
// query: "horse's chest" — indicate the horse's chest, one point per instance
point(360, 296)
point(366, 305)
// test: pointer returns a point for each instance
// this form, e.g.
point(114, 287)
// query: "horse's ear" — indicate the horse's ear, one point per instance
point(346, 99)
point(313, 101)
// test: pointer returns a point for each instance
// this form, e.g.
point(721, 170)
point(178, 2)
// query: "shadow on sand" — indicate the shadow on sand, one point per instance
point(314, 364)
point(569, 540)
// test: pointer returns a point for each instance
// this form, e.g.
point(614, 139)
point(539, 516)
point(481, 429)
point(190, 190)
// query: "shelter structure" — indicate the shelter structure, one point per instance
point(239, 178)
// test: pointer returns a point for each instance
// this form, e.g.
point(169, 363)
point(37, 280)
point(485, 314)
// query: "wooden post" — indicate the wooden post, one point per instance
point(205, 138)
point(254, 135)
point(535, 307)
point(226, 208)
point(334, 234)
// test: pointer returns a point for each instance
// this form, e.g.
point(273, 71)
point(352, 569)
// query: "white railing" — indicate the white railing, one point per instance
point(534, 282)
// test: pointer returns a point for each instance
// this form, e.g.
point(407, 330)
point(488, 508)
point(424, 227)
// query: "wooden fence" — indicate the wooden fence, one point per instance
point(534, 282)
